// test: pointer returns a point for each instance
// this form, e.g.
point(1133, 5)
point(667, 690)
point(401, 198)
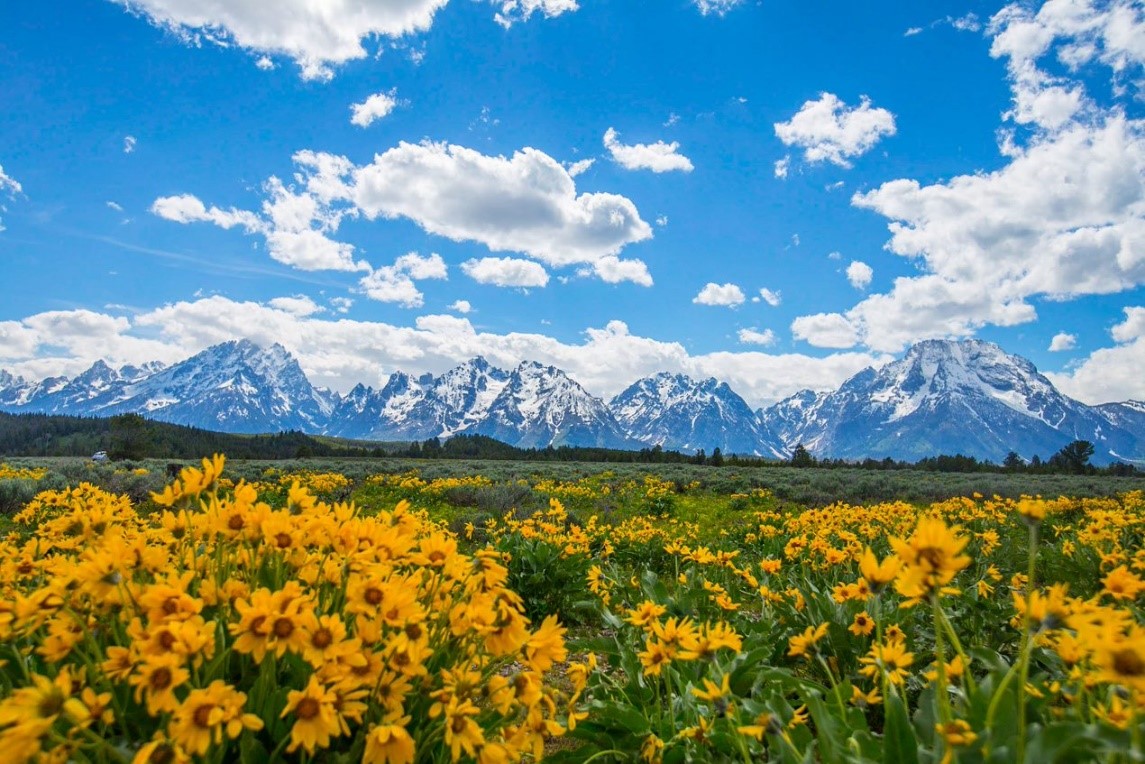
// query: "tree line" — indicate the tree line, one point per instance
point(131, 436)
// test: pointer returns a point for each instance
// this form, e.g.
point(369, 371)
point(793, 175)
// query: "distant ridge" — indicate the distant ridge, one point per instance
point(943, 397)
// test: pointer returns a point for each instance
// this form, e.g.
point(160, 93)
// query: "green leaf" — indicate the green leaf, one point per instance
point(900, 746)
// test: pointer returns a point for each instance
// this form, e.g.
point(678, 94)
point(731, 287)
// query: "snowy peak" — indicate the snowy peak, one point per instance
point(540, 405)
point(946, 397)
point(675, 412)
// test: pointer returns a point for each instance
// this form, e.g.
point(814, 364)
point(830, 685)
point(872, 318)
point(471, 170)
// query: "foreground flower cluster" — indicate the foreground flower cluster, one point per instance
point(220, 629)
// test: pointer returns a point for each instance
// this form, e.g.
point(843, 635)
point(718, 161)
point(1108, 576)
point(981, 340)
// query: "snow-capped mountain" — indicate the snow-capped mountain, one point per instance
point(942, 397)
point(947, 397)
point(408, 408)
point(233, 387)
point(541, 406)
point(678, 413)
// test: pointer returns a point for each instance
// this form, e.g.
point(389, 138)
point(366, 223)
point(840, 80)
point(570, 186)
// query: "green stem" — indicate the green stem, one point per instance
point(834, 684)
point(957, 643)
point(1027, 645)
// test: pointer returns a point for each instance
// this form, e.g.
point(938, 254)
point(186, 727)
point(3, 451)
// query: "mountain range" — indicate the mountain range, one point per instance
point(943, 397)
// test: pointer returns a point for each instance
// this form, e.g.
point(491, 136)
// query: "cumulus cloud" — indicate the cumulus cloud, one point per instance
point(771, 297)
point(756, 337)
point(525, 203)
point(395, 283)
point(506, 272)
point(723, 295)
point(613, 270)
point(829, 130)
point(657, 157)
point(187, 208)
point(513, 11)
point(317, 34)
point(341, 352)
point(1066, 217)
point(1078, 32)
point(859, 274)
point(578, 168)
point(129, 144)
point(461, 306)
point(718, 7)
point(1062, 341)
point(298, 305)
point(1111, 373)
point(782, 167)
point(342, 304)
point(825, 330)
point(375, 107)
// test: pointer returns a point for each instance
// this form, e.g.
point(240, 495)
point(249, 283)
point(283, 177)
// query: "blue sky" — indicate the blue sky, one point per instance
point(743, 189)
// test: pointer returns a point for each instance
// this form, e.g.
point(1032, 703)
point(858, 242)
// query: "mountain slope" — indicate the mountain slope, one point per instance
point(946, 397)
point(677, 413)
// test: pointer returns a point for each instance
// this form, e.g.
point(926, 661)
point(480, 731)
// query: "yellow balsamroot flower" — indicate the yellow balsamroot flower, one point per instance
point(956, 733)
point(953, 668)
point(389, 743)
point(461, 732)
point(878, 574)
point(708, 640)
point(208, 714)
point(546, 645)
point(1116, 714)
point(155, 678)
point(712, 692)
point(1043, 611)
point(1121, 584)
point(654, 657)
point(652, 750)
point(930, 558)
point(862, 625)
point(315, 718)
point(802, 645)
point(1121, 661)
point(645, 613)
point(890, 658)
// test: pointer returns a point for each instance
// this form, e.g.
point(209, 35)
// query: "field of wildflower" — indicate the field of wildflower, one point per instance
point(307, 615)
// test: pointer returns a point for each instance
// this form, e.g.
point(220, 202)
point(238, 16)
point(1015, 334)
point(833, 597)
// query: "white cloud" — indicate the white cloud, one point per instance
point(859, 274)
point(723, 295)
point(967, 23)
point(526, 203)
point(756, 337)
point(8, 187)
point(1079, 32)
point(782, 167)
point(912, 31)
point(718, 7)
point(506, 272)
point(513, 11)
point(657, 157)
point(375, 107)
point(661, 220)
point(1062, 341)
point(825, 330)
point(265, 63)
point(829, 130)
point(1112, 373)
point(772, 298)
point(338, 352)
point(577, 168)
point(114, 206)
point(129, 144)
point(1065, 217)
point(613, 270)
point(395, 283)
point(298, 305)
point(461, 306)
point(342, 304)
point(834, 255)
point(187, 208)
point(673, 118)
point(1132, 328)
point(317, 34)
